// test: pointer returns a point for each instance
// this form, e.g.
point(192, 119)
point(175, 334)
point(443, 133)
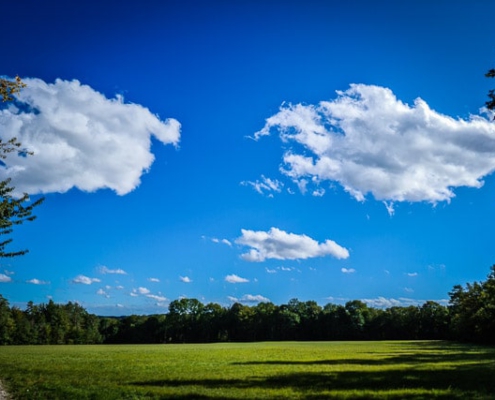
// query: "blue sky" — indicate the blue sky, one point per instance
point(250, 151)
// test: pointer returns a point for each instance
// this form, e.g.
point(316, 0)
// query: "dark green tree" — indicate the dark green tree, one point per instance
point(472, 311)
point(7, 326)
point(490, 104)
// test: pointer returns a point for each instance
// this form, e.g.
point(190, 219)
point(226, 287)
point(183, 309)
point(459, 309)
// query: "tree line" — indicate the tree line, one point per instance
point(470, 316)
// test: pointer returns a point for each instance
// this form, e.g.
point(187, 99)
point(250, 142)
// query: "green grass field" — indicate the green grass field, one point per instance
point(281, 370)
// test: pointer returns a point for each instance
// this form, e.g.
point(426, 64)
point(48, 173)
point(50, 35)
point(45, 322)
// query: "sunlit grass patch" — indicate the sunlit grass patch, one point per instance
point(272, 370)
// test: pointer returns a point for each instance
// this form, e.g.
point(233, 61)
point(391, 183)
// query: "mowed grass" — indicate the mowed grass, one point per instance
point(279, 370)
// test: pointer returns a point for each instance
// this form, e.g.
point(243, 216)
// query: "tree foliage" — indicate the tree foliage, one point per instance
point(490, 104)
point(13, 210)
point(8, 88)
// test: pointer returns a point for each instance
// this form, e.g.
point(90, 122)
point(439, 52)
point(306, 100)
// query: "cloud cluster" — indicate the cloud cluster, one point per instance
point(383, 302)
point(370, 142)
point(280, 245)
point(79, 139)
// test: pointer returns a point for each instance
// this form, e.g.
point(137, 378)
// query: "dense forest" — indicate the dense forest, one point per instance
point(470, 316)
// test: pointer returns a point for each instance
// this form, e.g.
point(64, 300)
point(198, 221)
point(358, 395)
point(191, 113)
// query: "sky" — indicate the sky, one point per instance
point(249, 151)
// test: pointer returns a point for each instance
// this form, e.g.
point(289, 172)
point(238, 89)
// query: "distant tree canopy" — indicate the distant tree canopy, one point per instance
point(470, 317)
point(13, 210)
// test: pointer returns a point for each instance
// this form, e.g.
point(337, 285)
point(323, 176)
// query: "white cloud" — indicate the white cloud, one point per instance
point(101, 292)
point(84, 280)
point(160, 299)
point(265, 185)
point(80, 139)
point(412, 274)
point(4, 278)
point(105, 270)
point(153, 279)
point(235, 279)
point(248, 298)
point(224, 241)
point(281, 245)
point(38, 282)
point(142, 290)
point(408, 290)
point(185, 279)
point(271, 271)
point(370, 142)
point(319, 192)
point(390, 208)
point(348, 271)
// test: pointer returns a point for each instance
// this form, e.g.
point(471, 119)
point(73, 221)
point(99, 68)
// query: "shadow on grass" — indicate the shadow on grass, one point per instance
point(463, 371)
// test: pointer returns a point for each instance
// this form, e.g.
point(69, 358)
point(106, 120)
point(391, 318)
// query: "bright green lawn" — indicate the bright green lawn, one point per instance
point(280, 370)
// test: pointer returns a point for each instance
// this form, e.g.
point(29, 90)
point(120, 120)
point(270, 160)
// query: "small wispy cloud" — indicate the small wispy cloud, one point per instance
point(153, 279)
point(320, 192)
point(265, 185)
point(4, 278)
point(38, 282)
point(85, 280)
point(105, 270)
point(383, 302)
point(223, 241)
point(160, 299)
point(235, 279)
point(249, 298)
point(412, 274)
point(348, 270)
point(185, 279)
point(101, 292)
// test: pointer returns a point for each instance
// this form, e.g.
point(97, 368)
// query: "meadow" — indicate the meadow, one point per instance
point(269, 370)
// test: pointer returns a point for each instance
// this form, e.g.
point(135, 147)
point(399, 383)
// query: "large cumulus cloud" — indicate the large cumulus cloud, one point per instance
point(79, 139)
point(370, 142)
